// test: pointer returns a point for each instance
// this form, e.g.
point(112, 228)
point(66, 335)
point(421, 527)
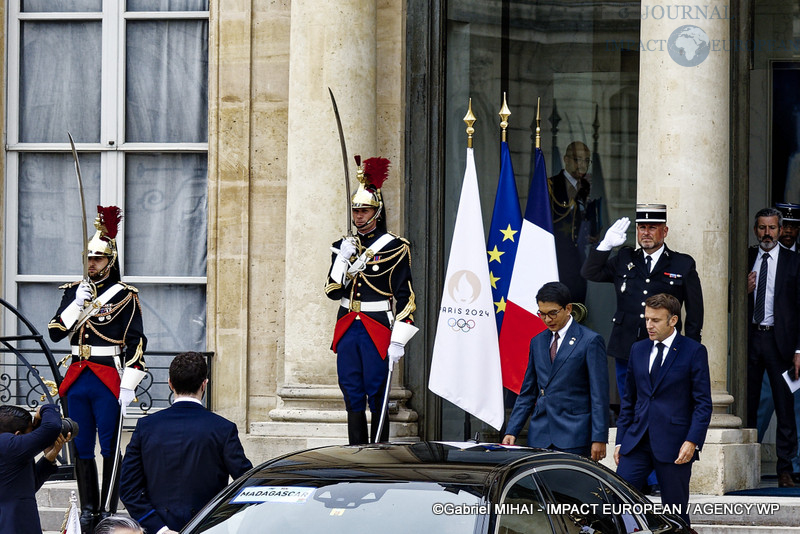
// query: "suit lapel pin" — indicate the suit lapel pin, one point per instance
point(630, 266)
point(572, 341)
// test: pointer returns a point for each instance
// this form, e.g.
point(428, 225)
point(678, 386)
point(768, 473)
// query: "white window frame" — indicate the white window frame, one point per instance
point(112, 146)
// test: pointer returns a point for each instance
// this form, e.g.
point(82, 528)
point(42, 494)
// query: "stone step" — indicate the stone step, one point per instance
point(53, 501)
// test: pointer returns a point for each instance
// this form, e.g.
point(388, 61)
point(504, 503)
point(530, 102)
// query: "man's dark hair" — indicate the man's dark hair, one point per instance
point(14, 419)
point(187, 372)
point(110, 524)
point(768, 212)
point(554, 292)
point(663, 300)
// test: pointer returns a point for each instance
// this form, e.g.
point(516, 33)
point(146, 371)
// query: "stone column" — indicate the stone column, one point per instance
point(332, 45)
point(683, 162)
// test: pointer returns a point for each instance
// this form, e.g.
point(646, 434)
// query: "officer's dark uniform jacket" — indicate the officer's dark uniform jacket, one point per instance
point(118, 323)
point(674, 273)
point(386, 279)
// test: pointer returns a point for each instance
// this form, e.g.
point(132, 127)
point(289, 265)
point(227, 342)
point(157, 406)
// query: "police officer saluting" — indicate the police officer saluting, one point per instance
point(370, 276)
point(638, 274)
point(103, 319)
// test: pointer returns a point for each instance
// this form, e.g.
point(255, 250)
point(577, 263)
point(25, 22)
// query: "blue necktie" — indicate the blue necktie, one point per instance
point(656, 368)
point(761, 291)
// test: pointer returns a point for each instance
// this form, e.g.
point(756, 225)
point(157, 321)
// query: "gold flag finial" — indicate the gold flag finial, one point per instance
point(538, 122)
point(470, 119)
point(505, 113)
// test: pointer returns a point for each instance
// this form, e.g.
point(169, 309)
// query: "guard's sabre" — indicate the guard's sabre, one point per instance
point(112, 481)
point(344, 161)
point(385, 407)
point(83, 209)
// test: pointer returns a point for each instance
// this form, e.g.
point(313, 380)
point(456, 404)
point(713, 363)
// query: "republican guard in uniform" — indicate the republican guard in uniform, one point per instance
point(370, 276)
point(103, 318)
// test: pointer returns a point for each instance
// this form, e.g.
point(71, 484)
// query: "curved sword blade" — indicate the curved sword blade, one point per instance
point(83, 209)
point(344, 162)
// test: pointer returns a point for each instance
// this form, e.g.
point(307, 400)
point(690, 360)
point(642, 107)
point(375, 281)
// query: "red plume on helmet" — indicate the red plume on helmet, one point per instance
point(110, 218)
point(376, 170)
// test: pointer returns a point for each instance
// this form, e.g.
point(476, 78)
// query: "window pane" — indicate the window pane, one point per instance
point(60, 72)
point(167, 5)
point(167, 81)
point(38, 304)
point(174, 316)
point(50, 240)
point(166, 211)
point(526, 510)
point(62, 6)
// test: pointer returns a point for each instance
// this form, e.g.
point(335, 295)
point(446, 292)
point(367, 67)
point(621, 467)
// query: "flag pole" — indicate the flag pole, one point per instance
point(538, 124)
point(504, 113)
point(469, 119)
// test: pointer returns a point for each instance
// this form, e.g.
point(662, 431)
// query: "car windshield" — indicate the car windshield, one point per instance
point(347, 507)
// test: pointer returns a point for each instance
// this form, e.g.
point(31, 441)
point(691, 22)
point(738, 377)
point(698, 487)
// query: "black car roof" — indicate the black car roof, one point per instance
point(446, 462)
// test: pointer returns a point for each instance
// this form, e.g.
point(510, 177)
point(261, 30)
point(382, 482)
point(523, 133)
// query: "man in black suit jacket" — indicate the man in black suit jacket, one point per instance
point(569, 206)
point(179, 458)
point(774, 333)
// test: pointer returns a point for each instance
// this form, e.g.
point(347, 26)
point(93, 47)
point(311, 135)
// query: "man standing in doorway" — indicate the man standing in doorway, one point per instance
point(774, 333)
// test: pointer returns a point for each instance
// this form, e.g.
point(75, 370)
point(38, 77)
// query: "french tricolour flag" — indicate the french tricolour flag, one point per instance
point(534, 266)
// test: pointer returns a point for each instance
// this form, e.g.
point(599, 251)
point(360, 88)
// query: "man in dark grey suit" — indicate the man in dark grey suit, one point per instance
point(565, 385)
point(774, 333)
point(179, 458)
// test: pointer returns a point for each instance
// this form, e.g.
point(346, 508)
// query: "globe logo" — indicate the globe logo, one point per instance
point(688, 46)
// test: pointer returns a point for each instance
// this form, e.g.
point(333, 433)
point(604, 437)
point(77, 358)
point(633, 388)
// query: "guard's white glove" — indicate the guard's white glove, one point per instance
point(348, 248)
point(615, 235)
point(395, 352)
point(83, 293)
point(126, 396)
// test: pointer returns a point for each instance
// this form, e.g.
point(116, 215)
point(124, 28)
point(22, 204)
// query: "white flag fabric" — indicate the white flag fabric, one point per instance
point(73, 520)
point(465, 367)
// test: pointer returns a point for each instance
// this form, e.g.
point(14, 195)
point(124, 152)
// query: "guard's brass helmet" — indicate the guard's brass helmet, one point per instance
point(370, 179)
point(104, 243)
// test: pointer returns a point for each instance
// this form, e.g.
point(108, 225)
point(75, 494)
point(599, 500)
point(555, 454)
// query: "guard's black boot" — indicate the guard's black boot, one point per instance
point(108, 467)
point(88, 491)
point(357, 428)
point(376, 418)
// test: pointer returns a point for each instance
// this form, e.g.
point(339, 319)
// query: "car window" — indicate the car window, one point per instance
point(346, 507)
point(522, 509)
point(586, 504)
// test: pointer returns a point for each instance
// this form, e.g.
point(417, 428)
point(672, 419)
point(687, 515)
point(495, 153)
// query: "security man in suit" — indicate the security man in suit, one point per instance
point(570, 207)
point(565, 384)
point(774, 333)
point(791, 225)
point(666, 410)
point(103, 319)
point(370, 276)
point(179, 458)
point(636, 274)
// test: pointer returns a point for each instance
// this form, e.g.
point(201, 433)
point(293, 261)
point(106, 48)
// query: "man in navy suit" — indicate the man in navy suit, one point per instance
point(667, 405)
point(774, 333)
point(565, 385)
point(179, 458)
point(22, 438)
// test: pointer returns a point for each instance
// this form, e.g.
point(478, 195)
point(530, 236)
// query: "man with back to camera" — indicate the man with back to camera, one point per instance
point(22, 438)
point(773, 340)
point(565, 384)
point(666, 410)
point(180, 457)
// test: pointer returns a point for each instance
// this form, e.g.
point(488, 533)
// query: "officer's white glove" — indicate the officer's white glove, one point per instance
point(83, 293)
point(126, 396)
point(615, 235)
point(395, 352)
point(347, 249)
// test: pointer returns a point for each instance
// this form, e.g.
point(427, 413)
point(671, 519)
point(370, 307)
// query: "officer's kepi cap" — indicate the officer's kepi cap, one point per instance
point(656, 213)
point(790, 212)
